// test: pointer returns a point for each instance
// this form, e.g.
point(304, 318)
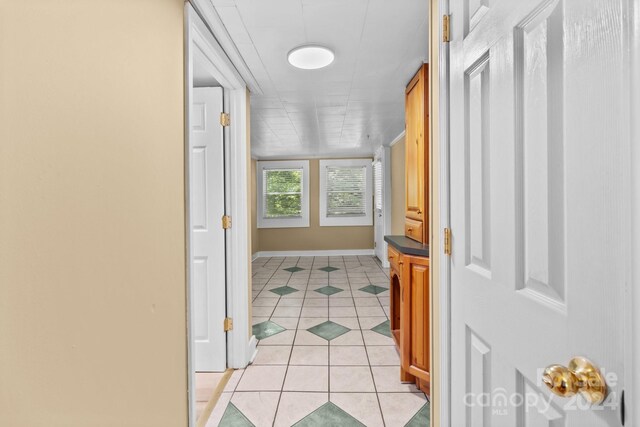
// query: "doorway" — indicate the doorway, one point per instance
point(216, 218)
point(382, 202)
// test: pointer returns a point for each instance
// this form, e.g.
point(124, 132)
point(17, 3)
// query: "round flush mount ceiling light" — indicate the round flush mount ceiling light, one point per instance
point(310, 57)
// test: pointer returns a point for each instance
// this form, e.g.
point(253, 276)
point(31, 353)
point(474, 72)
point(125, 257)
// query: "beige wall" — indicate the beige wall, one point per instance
point(253, 236)
point(398, 192)
point(315, 237)
point(92, 234)
point(253, 183)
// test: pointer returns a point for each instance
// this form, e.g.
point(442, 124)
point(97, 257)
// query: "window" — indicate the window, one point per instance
point(346, 192)
point(283, 189)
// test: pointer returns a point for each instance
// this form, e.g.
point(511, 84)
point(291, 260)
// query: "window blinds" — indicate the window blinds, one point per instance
point(282, 193)
point(377, 183)
point(346, 191)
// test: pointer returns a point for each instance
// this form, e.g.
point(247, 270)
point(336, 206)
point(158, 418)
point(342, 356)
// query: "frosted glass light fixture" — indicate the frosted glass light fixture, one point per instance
point(310, 57)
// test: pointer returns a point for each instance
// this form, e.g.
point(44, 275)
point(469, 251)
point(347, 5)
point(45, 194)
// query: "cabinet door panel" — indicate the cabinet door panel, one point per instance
point(419, 302)
point(414, 157)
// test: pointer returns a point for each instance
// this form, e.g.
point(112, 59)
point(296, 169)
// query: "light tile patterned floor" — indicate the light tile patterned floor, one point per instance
point(325, 356)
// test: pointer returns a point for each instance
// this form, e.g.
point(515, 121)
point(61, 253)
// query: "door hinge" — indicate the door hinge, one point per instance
point(225, 119)
point(226, 222)
point(447, 241)
point(446, 28)
point(228, 324)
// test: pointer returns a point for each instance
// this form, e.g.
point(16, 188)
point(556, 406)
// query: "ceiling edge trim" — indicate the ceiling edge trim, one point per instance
point(397, 138)
point(220, 33)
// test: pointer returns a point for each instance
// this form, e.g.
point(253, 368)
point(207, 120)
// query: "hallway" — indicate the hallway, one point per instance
point(325, 356)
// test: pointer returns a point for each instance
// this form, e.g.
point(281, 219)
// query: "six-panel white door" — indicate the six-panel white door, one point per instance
point(208, 293)
point(538, 208)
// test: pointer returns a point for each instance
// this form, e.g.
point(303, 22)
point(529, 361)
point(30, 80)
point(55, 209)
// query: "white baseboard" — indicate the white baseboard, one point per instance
point(255, 256)
point(253, 348)
point(337, 252)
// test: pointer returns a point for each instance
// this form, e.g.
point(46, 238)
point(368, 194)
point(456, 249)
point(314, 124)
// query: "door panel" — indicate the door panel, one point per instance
point(537, 206)
point(419, 300)
point(414, 149)
point(207, 236)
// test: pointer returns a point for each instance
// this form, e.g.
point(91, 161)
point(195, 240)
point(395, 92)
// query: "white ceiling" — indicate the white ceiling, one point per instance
point(349, 108)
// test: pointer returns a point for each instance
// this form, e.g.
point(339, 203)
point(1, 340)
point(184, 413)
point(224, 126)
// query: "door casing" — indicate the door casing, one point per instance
point(241, 345)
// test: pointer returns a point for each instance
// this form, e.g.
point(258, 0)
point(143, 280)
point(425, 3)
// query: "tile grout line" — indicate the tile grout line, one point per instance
point(375, 387)
point(245, 370)
point(295, 334)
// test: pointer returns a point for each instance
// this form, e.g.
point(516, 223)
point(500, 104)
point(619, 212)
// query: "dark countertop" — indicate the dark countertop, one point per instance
point(407, 245)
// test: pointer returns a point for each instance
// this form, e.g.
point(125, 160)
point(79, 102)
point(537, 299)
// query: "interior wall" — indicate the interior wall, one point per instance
point(92, 225)
point(314, 237)
point(398, 192)
point(255, 237)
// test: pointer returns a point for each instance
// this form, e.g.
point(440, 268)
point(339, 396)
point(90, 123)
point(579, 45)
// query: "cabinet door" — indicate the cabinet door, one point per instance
point(414, 149)
point(415, 320)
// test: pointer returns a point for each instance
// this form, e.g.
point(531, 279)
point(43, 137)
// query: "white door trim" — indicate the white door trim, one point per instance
point(445, 222)
point(632, 356)
point(240, 346)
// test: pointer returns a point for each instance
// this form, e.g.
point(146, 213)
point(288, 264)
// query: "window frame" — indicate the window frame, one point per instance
point(284, 222)
point(355, 221)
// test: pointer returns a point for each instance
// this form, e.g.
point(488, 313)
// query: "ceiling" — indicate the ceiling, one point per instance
point(346, 109)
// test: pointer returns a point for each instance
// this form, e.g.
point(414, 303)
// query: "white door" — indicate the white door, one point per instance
point(539, 210)
point(207, 235)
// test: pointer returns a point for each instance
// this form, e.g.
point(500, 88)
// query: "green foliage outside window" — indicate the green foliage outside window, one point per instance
point(283, 193)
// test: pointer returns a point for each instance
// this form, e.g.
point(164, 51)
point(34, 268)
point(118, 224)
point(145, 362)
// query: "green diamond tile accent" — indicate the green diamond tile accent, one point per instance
point(283, 290)
point(234, 418)
point(293, 269)
point(328, 269)
point(329, 290)
point(421, 418)
point(266, 329)
point(373, 289)
point(328, 415)
point(328, 330)
point(383, 328)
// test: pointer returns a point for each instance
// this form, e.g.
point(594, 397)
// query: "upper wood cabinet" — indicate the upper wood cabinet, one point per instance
point(417, 156)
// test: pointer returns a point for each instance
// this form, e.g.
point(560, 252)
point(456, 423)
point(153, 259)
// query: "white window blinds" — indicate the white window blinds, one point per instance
point(282, 193)
point(346, 191)
point(377, 185)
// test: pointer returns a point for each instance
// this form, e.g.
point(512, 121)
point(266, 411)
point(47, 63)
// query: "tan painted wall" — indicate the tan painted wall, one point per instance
point(434, 203)
point(253, 236)
point(255, 239)
point(398, 192)
point(315, 237)
point(92, 231)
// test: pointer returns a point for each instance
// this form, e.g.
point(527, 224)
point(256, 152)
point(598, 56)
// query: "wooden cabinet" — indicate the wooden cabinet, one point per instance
point(410, 308)
point(417, 156)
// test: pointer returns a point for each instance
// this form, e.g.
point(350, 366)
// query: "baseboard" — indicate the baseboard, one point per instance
point(255, 256)
point(253, 348)
point(336, 252)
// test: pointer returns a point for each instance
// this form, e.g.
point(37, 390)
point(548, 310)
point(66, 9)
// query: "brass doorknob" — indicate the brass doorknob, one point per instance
point(581, 376)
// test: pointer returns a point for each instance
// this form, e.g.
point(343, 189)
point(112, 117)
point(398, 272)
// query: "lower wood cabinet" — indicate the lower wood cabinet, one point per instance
point(409, 302)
